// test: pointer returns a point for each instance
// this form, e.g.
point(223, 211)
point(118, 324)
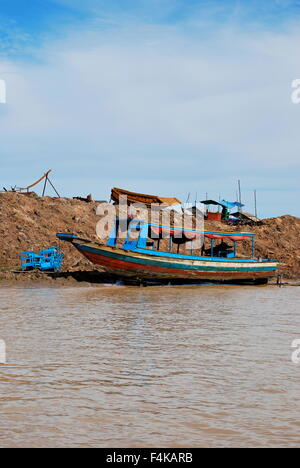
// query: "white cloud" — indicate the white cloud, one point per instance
point(156, 110)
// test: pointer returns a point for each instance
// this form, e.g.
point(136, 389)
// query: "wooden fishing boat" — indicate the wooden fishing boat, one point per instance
point(140, 259)
point(148, 200)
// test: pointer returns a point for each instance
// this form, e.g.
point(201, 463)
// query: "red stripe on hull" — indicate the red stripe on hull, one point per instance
point(123, 268)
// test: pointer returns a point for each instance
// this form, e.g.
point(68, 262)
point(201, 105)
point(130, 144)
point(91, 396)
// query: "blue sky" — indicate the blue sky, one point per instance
point(33, 16)
point(169, 97)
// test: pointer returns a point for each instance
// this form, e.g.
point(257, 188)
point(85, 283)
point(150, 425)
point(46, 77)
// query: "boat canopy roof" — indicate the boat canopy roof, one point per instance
point(191, 234)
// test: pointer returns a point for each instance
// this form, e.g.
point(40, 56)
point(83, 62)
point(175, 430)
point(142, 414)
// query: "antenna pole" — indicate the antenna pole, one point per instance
point(240, 196)
point(255, 202)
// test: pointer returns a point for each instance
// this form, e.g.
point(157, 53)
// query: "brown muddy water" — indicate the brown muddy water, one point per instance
point(150, 367)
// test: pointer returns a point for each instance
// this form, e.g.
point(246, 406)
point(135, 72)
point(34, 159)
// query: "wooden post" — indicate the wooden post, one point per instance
point(240, 196)
point(45, 184)
point(53, 187)
point(255, 203)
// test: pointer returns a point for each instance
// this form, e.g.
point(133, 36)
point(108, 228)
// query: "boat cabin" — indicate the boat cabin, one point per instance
point(140, 236)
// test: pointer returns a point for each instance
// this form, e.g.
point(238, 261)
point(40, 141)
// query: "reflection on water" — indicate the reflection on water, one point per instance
point(146, 367)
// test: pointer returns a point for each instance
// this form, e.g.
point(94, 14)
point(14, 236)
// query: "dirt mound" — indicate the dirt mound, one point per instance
point(31, 223)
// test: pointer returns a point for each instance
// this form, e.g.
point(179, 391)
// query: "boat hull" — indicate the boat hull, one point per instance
point(151, 266)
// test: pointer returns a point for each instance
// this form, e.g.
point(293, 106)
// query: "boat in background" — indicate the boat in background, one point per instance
point(148, 200)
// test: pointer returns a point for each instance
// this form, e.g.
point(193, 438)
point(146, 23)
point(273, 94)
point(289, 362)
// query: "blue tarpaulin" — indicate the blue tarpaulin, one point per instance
point(231, 205)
